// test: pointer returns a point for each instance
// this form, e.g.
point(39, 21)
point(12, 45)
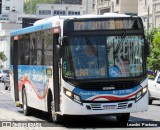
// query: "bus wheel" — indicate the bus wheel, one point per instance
point(150, 101)
point(123, 118)
point(54, 117)
point(26, 109)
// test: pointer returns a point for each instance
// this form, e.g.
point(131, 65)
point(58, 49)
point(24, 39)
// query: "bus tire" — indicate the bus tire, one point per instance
point(26, 108)
point(54, 117)
point(150, 101)
point(123, 118)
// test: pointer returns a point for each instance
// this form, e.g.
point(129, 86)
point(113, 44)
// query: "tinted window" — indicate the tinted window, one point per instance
point(36, 48)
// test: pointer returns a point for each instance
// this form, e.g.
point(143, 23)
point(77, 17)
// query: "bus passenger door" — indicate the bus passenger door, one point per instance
point(56, 75)
point(14, 53)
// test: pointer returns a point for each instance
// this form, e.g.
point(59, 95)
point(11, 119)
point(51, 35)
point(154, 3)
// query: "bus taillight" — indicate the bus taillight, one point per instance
point(15, 37)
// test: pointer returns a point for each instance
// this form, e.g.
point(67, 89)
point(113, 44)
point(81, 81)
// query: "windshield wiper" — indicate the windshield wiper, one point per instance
point(120, 43)
point(115, 51)
point(91, 46)
point(94, 51)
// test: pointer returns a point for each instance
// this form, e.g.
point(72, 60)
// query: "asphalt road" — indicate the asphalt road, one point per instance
point(9, 112)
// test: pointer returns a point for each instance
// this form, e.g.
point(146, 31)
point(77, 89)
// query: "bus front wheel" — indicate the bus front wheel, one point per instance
point(54, 117)
point(150, 101)
point(26, 108)
point(123, 118)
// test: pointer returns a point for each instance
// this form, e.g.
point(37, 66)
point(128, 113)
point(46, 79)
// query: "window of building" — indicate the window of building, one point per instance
point(4, 15)
point(44, 12)
point(60, 12)
point(117, 2)
point(7, 8)
point(73, 12)
point(145, 2)
point(69, 12)
point(93, 6)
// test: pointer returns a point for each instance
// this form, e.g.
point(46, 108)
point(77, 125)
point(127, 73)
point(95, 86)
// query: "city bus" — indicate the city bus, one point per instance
point(81, 65)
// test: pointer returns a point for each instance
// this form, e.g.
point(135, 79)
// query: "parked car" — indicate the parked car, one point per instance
point(3, 73)
point(6, 83)
point(154, 88)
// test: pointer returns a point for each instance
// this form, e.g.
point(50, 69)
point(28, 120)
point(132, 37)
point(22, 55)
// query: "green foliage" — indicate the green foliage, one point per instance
point(30, 5)
point(154, 58)
point(3, 56)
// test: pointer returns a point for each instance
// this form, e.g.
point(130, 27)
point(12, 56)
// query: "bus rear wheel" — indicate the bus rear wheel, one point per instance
point(123, 118)
point(26, 108)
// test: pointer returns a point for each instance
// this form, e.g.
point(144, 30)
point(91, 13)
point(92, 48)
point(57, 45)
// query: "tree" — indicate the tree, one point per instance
point(154, 58)
point(3, 57)
point(30, 5)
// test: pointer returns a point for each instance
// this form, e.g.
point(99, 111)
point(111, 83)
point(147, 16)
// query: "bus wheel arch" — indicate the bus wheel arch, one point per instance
point(26, 108)
point(51, 111)
point(49, 97)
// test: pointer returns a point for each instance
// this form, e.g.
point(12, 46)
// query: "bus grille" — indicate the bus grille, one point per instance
point(120, 105)
point(99, 86)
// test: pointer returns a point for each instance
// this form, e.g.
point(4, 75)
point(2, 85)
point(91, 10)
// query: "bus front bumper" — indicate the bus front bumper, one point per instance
point(70, 107)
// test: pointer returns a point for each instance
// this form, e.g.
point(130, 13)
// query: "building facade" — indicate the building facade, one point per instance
point(48, 10)
point(9, 9)
point(5, 29)
point(116, 6)
point(149, 10)
point(71, 1)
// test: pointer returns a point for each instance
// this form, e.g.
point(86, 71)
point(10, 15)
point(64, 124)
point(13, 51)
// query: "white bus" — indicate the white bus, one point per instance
point(81, 65)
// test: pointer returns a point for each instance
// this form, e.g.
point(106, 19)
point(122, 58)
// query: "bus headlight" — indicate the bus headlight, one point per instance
point(144, 90)
point(72, 96)
point(141, 93)
point(68, 93)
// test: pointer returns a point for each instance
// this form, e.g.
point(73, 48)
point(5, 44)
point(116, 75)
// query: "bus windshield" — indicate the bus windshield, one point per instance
point(101, 56)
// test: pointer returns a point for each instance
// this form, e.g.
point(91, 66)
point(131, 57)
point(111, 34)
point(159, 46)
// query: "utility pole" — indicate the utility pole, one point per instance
point(148, 9)
point(153, 15)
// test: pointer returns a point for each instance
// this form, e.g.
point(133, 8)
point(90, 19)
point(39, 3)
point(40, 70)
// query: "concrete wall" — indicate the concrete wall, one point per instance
point(129, 6)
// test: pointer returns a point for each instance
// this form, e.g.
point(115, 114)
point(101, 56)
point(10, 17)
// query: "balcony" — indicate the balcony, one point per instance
point(104, 5)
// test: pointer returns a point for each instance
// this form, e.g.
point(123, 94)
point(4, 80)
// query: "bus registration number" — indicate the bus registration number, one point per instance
point(109, 107)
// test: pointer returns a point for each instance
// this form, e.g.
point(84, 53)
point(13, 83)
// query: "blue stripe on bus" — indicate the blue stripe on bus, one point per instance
point(31, 29)
point(84, 94)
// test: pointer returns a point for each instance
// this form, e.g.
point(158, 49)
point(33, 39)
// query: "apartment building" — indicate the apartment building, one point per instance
point(48, 10)
point(116, 6)
point(10, 9)
point(149, 10)
point(5, 29)
point(156, 13)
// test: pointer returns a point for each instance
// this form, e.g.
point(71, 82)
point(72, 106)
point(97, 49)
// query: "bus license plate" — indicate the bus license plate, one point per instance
point(109, 107)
